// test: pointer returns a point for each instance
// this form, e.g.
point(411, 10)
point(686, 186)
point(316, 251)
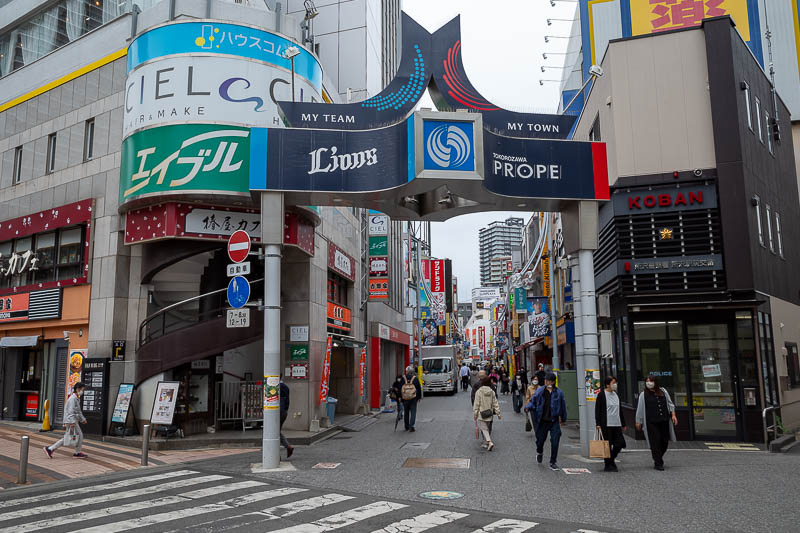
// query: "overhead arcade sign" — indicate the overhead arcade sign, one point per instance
point(469, 156)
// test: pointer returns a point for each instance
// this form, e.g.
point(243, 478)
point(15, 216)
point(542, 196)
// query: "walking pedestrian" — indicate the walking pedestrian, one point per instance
point(517, 390)
point(549, 410)
point(73, 417)
point(504, 382)
point(477, 385)
point(284, 393)
point(653, 413)
point(529, 392)
point(610, 421)
point(411, 392)
point(541, 374)
point(524, 376)
point(483, 410)
point(464, 372)
point(396, 394)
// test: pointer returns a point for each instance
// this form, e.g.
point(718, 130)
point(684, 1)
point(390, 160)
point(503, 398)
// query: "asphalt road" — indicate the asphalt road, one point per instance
point(370, 489)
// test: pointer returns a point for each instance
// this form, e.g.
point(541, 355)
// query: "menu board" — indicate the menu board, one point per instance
point(123, 403)
point(95, 378)
point(164, 402)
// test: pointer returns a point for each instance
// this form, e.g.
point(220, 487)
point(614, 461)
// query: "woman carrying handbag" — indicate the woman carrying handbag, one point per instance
point(484, 409)
point(72, 417)
point(610, 421)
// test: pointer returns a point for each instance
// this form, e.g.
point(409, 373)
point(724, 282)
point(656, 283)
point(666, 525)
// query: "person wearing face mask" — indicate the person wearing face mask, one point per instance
point(516, 392)
point(72, 417)
point(549, 410)
point(610, 420)
point(529, 392)
point(653, 414)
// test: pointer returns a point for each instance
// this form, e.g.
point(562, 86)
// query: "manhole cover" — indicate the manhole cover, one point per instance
point(576, 470)
point(441, 495)
point(326, 466)
point(416, 445)
point(429, 462)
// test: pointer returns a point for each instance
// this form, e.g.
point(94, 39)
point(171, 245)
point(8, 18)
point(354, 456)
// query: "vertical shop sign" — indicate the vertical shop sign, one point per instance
point(326, 372)
point(482, 339)
point(363, 369)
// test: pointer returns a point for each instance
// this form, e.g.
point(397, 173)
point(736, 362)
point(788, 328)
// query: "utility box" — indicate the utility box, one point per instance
point(568, 383)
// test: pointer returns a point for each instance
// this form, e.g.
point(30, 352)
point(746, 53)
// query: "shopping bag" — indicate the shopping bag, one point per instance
point(71, 437)
point(598, 447)
point(528, 425)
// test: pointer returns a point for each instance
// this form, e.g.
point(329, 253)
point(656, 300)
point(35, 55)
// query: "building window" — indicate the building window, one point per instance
point(757, 205)
point(337, 289)
point(88, 140)
point(769, 228)
point(51, 153)
point(746, 89)
point(69, 253)
point(768, 136)
point(793, 364)
point(594, 133)
point(758, 120)
point(53, 262)
point(16, 174)
point(778, 233)
point(46, 253)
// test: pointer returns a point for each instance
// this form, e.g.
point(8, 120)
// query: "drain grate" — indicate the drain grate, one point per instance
point(416, 445)
point(431, 462)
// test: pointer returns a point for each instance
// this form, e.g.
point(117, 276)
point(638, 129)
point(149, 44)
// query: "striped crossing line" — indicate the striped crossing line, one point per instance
point(188, 500)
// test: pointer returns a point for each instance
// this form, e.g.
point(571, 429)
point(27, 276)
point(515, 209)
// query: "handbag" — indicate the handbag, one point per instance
point(599, 448)
point(528, 425)
point(487, 413)
point(71, 437)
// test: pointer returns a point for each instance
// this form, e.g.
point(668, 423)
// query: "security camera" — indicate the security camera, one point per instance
point(698, 172)
point(66, 335)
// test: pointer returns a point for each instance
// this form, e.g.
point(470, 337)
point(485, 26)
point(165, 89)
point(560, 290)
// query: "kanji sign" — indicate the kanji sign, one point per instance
point(651, 16)
point(379, 288)
point(378, 266)
point(239, 246)
point(378, 246)
point(239, 269)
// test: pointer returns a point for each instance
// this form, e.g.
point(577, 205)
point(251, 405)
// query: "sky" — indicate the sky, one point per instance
point(502, 46)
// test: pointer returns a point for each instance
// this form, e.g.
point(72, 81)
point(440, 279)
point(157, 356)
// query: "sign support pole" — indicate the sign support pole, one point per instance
point(580, 363)
point(553, 322)
point(591, 358)
point(272, 238)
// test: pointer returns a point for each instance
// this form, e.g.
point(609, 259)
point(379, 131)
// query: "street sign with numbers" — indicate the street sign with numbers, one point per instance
point(239, 269)
point(238, 318)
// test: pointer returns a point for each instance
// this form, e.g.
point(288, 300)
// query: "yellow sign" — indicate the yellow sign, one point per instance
point(654, 16)
point(546, 275)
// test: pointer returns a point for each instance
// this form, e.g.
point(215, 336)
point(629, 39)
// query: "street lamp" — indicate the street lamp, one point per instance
point(595, 71)
point(552, 67)
point(290, 53)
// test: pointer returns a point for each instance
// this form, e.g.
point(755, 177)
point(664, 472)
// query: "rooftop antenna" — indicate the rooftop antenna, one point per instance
point(775, 129)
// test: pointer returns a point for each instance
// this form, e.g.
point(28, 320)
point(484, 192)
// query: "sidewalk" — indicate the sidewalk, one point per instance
point(103, 457)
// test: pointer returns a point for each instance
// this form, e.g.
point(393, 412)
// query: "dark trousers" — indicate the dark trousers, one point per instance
point(658, 435)
point(284, 442)
point(464, 383)
point(554, 429)
point(616, 441)
point(409, 413)
point(516, 401)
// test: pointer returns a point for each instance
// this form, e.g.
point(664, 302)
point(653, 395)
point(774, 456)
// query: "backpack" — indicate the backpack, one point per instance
point(408, 391)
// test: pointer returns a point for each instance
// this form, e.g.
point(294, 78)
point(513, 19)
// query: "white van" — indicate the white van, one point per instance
point(439, 369)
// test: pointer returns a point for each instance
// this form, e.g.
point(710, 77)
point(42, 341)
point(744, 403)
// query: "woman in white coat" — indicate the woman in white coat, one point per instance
point(653, 414)
point(484, 409)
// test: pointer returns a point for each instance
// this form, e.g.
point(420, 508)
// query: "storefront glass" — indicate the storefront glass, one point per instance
point(714, 406)
point(660, 349)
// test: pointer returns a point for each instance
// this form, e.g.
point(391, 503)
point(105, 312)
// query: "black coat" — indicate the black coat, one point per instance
point(601, 412)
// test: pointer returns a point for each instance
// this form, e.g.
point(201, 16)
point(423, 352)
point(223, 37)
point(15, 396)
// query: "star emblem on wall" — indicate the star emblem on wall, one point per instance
point(666, 234)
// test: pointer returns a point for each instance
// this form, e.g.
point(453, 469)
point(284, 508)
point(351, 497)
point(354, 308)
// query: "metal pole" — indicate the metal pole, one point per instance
point(580, 364)
point(22, 477)
point(145, 443)
point(292, 60)
point(590, 350)
point(270, 453)
point(553, 326)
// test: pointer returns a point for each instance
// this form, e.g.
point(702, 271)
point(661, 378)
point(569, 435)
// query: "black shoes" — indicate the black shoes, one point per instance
point(412, 430)
point(611, 468)
point(539, 458)
point(659, 467)
point(289, 451)
point(553, 466)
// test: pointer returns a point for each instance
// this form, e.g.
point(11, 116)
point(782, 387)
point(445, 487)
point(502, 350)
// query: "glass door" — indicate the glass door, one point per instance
point(714, 406)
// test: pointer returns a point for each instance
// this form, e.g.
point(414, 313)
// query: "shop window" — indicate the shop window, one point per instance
point(46, 254)
point(768, 212)
point(793, 364)
point(51, 153)
point(25, 278)
point(88, 140)
point(69, 253)
point(337, 289)
point(16, 174)
point(746, 89)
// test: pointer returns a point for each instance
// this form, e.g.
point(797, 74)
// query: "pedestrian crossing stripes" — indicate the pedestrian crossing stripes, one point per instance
point(188, 500)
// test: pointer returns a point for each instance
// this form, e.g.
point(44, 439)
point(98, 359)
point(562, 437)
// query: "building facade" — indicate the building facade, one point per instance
point(101, 259)
point(695, 254)
point(496, 240)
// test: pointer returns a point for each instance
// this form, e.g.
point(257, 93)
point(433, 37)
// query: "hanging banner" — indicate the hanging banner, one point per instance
point(326, 372)
point(363, 370)
point(538, 317)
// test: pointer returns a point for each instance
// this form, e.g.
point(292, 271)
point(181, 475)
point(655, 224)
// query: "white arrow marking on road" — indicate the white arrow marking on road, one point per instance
point(344, 519)
point(95, 488)
point(72, 504)
point(507, 525)
point(193, 511)
point(422, 522)
point(288, 509)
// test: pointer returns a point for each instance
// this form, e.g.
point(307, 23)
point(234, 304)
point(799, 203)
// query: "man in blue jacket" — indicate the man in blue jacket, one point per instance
point(549, 410)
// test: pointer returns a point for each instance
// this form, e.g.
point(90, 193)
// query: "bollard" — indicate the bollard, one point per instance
point(145, 443)
point(22, 478)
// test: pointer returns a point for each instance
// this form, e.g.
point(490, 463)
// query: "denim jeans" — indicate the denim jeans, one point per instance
point(555, 436)
point(409, 412)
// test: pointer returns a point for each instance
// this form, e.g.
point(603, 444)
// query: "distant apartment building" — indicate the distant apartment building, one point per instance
point(497, 240)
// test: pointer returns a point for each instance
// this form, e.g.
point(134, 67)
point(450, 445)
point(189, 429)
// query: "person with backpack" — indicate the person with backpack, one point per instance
point(396, 394)
point(483, 411)
point(411, 392)
point(73, 417)
point(284, 394)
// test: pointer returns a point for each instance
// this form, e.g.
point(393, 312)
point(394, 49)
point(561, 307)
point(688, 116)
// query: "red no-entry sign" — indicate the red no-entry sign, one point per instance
point(239, 246)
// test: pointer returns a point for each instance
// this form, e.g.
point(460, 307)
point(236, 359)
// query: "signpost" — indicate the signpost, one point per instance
point(239, 246)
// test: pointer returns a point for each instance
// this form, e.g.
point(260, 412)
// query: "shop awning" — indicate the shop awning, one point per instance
point(19, 342)
point(348, 342)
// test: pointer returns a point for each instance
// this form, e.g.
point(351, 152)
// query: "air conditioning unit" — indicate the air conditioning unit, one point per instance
point(603, 306)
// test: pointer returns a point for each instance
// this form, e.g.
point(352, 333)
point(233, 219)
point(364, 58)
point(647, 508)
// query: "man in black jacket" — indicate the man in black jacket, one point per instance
point(410, 404)
point(284, 395)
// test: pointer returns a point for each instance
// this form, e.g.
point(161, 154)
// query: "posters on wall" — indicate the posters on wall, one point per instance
point(592, 377)
point(164, 403)
point(539, 317)
point(123, 403)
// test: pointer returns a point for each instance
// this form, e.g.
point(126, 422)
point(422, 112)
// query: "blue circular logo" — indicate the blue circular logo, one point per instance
point(448, 146)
